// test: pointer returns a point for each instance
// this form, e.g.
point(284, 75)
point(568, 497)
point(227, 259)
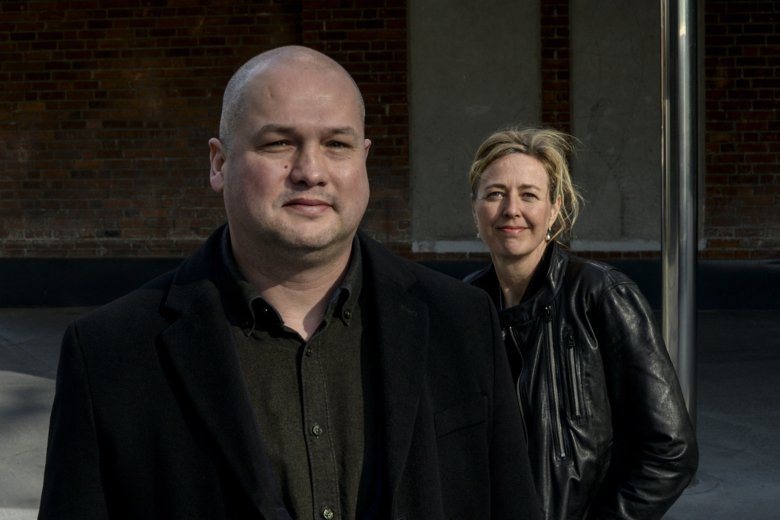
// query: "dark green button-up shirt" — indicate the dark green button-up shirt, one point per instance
point(314, 400)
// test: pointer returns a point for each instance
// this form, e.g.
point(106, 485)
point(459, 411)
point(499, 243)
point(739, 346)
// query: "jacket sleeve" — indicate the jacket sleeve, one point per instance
point(655, 454)
point(513, 491)
point(72, 486)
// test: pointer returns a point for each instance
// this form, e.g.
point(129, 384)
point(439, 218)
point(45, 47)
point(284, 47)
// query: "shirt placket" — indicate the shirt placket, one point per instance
point(319, 443)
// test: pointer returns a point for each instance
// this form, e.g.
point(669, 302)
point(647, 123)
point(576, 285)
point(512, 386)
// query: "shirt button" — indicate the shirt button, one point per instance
point(316, 430)
point(328, 514)
point(309, 352)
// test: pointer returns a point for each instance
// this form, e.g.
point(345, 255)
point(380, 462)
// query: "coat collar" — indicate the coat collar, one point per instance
point(199, 348)
point(401, 320)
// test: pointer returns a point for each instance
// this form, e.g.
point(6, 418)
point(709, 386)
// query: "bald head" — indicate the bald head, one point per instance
point(290, 57)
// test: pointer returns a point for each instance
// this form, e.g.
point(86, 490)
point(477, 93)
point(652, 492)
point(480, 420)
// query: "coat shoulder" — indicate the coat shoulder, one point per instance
point(129, 315)
point(439, 286)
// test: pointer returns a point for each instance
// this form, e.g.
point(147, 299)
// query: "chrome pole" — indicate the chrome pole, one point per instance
point(679, 29)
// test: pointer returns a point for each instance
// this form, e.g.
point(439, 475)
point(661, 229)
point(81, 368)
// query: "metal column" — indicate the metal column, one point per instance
point(680, 136)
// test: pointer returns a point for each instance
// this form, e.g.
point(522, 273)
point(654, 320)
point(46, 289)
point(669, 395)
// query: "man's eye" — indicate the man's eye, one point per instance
point(338, 144)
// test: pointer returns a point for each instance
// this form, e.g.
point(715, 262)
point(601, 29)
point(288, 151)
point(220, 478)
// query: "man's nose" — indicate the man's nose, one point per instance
point(309, 166)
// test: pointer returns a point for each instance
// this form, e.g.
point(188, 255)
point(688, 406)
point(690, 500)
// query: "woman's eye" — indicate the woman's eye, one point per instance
point(494, 195)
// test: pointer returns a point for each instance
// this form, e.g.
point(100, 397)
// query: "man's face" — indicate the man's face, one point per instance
point(294, 170)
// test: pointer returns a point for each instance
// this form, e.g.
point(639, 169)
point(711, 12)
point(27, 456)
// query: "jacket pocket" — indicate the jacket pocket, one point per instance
point(555, 383)
point(573, 365)
point(461, 416)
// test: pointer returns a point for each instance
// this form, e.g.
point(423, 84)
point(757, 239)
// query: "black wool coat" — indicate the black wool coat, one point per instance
point(152, 419)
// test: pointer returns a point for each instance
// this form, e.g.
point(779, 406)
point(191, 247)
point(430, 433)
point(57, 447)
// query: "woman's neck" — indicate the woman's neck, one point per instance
point(514, 276)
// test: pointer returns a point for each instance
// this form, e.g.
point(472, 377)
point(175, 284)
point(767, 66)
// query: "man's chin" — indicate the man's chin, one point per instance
point(312, 244)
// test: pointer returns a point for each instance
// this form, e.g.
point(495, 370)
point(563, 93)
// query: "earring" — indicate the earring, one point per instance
point(477, 234)
point(549, 235)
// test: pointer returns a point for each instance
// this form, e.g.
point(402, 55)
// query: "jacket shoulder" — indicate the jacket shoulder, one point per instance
point(594, 274)
point(134, 310)
point(148, 301)
point(478, 277)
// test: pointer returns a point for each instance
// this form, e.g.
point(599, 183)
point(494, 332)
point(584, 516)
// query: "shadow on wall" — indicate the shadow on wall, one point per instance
point(86, 282)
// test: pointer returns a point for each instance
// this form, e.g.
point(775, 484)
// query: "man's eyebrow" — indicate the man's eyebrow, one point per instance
point(343, 130)
point(289, 130)
point(274, 128)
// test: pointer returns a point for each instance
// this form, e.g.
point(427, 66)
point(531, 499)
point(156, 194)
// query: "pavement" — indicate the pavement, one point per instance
point(738, 412)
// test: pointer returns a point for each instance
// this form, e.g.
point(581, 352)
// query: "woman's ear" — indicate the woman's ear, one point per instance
point(556, 208)
point(474, 218)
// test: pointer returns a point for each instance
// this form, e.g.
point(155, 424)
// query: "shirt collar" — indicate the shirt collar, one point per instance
point(249, 310)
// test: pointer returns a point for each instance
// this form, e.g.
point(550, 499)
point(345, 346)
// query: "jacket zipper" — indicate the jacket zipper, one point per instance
point(558, 426)
point(574, 379)
point(518, 392)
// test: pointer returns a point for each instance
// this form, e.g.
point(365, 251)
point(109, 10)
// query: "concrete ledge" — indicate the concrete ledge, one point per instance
point(39, 282)
point(44, 282)
point(720, 284)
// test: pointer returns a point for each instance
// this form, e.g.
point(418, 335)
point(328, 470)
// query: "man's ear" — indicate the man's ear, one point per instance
point(217, 160)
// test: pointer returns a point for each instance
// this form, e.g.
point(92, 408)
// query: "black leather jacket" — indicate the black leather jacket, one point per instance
point(608, 432)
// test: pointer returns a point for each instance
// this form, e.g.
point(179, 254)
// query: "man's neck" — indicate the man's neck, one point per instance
point(298, 290)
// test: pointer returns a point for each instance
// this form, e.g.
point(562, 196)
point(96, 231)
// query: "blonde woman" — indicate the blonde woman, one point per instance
point(608, 432)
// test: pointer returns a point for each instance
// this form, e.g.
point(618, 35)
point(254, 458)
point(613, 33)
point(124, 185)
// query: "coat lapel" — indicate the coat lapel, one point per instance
point(402, 332)
point(199, 347)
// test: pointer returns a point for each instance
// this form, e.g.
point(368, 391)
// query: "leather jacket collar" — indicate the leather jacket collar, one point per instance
point(542, 289)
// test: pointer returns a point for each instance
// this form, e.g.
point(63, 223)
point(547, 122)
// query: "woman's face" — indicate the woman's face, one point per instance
point(512, 208)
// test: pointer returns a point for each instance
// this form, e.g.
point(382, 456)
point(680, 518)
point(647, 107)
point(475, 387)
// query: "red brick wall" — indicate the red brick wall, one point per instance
point(369, 39)
point(742, 130)
point(742, 184)
point(106, 113)
point(556, 65)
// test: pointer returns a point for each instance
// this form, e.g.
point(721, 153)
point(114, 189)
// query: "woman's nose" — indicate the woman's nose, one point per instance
point(511, 206)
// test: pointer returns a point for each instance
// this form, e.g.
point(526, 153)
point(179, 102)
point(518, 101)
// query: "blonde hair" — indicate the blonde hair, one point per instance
point(550, 147)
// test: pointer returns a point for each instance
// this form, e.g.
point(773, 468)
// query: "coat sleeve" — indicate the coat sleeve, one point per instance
point(72, 486)
point(513, 491)
point(655, 453)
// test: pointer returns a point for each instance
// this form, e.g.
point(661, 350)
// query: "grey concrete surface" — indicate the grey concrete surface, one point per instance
point(738, 416)
point(29, 349)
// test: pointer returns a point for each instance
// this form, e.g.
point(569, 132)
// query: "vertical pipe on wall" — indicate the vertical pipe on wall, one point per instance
point(679, 98)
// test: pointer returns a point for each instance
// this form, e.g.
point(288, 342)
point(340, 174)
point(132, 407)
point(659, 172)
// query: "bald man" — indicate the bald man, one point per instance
point(292, 368)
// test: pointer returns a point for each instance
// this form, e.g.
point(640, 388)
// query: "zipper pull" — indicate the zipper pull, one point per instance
point(548, 313)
